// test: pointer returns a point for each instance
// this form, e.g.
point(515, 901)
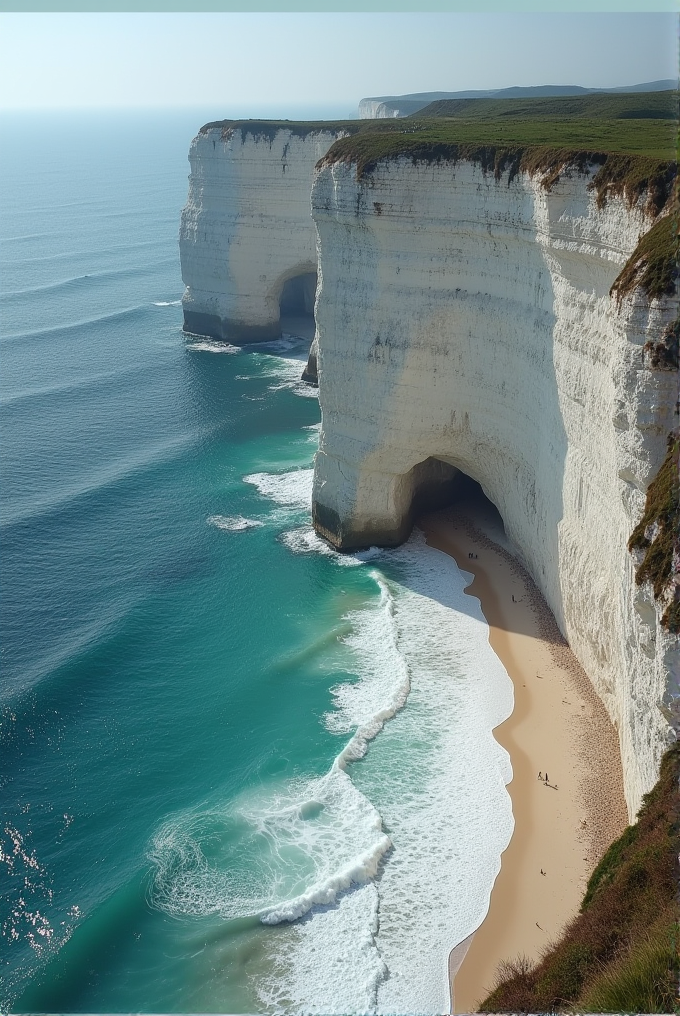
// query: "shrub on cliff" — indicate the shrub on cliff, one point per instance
point(620, 954)
point(656, 535)
point(653, 265)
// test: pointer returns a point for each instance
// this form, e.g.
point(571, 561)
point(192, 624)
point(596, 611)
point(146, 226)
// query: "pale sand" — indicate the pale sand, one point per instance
point(558, 724)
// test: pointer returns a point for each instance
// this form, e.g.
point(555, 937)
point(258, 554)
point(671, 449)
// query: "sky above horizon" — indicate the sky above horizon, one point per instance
point(260, 62)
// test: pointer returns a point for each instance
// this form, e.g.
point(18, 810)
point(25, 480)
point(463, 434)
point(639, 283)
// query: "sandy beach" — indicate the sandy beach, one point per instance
point(558, 728)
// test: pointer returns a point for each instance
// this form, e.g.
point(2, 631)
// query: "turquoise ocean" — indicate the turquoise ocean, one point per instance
point(239, 772)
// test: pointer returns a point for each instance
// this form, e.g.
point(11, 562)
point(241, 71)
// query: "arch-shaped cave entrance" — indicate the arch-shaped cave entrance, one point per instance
point(296, 305)
point(435, 484)
point(296, 316)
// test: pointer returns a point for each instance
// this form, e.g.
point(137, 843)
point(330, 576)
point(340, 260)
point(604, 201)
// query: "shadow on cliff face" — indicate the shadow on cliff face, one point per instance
point(296, 308)
point(466, 497)
point(296, 305)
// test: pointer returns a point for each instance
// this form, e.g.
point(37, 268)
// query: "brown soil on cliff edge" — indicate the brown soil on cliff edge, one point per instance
point(558, 724)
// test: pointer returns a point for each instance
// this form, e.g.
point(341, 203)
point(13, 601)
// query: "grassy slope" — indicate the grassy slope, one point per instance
point(620, 954)
point(640, 106)
point(653, 265)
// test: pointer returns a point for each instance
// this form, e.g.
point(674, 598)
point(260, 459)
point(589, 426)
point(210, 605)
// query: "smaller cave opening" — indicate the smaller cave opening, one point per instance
point(296, 304)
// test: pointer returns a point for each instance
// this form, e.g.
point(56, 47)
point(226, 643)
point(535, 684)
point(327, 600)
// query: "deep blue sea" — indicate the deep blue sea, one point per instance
point(240, 772)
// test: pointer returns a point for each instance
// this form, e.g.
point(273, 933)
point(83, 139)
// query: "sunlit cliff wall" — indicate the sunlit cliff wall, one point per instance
point(466, 322)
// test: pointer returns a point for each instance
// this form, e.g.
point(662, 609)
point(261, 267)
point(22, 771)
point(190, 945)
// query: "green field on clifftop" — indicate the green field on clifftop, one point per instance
point(495, 132)
point(639, 124)
point(439, 138)
point(371, 140)
point(629, 106)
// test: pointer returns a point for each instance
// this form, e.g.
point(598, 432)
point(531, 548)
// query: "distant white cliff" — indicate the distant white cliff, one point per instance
point(376, 109)
point(464, 323)
point(246, 229)
point(380, 107)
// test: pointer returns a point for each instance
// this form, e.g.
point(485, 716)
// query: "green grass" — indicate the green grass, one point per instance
point(640, 106)
point(643, 980)
point(620, 953)
point(608, 866)
point(438, 139)
point(653, 265)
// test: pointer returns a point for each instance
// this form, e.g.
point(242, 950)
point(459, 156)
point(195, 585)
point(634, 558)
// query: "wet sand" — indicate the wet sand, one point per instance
point(559, 727)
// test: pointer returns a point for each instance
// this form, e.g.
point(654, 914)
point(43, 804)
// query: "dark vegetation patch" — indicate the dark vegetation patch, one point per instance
point(663, 353)
point(628, 106)
point(653, 265)
point(632, 176)
point(620, 954)
point(657, 532)
point(268, 129)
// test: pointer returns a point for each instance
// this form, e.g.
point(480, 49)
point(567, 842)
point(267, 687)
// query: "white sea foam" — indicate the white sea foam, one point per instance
point(293, 488)
point(290, 374)
point(208, 346)
point(330, 965)
point(437, 778)
point(305, 391)
point(233, 523)
point(281, 852)
point(282, 345)
point(287, 370)
point(305, 541)
point(451, 825)
point(167, 303)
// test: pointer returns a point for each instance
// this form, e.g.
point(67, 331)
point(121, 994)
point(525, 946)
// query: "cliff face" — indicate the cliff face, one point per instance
point(463, 323)
point(246, 228)
point(466, 323)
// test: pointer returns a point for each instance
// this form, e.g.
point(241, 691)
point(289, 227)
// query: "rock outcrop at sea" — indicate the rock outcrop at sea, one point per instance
point(464, 322)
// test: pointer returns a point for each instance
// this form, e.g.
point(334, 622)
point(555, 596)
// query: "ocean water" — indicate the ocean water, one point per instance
point(240, 772)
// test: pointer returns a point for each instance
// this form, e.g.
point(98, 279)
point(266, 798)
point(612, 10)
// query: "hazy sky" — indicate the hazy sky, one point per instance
point(232, 60)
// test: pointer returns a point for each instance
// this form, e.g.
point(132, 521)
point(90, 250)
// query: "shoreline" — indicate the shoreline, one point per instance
point(558, 724)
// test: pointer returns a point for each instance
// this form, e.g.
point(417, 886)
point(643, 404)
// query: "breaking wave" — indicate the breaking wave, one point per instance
point(233, 524)
point(210, 346)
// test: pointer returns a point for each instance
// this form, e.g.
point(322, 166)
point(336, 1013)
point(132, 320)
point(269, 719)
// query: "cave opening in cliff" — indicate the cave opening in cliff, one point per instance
point(438, 485)
point(296, 302)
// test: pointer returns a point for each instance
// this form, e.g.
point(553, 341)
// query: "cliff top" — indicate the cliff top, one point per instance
point(268, 129)
point(439, 138)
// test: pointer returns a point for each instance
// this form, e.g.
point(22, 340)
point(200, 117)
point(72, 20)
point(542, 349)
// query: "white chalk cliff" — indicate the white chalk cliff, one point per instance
point(465, 323)
point(246, 228)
